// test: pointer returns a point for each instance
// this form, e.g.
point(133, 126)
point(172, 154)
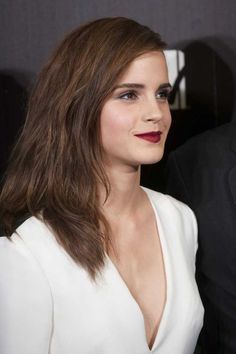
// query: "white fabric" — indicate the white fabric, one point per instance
point(48, 304)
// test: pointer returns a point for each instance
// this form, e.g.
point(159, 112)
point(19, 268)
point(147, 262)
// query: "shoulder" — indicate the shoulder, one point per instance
point(15, 253)
point(169, 204)
point(32, 231)
point(20, 270)
point(177, 219)
point(33, 225)
point(26, 302)
point(35, 242)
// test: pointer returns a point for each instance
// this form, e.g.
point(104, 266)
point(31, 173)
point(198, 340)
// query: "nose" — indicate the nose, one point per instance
point(153, 111)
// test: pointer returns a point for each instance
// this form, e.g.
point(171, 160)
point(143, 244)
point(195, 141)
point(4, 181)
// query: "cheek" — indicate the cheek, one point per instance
point(113, 122)
point(167, 120)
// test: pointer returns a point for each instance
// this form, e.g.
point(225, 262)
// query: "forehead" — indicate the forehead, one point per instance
point(148, 65)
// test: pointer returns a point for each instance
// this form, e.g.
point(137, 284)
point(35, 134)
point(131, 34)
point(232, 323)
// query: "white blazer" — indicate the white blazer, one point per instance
point(49, 305)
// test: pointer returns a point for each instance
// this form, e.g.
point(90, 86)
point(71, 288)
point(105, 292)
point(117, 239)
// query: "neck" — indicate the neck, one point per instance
point(124, 194)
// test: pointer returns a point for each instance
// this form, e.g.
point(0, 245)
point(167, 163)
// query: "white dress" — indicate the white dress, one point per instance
point(49, 305)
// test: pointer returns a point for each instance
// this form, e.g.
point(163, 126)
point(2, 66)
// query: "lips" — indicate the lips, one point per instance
point(152, 137)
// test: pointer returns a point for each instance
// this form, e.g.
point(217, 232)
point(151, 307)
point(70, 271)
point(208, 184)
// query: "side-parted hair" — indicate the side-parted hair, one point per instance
point(56, 165)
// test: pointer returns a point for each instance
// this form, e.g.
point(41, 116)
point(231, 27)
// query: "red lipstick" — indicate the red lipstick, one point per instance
point(152, 137)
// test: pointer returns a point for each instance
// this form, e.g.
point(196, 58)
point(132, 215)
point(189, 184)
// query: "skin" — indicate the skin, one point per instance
point(137, 105)
point(130, 111)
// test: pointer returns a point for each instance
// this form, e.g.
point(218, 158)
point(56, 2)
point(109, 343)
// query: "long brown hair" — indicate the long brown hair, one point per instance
point(57, 162)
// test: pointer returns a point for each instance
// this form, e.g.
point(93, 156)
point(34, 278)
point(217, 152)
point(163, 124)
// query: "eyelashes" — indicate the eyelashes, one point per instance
point(132, 95)
point(164, 94)
point(129, 95)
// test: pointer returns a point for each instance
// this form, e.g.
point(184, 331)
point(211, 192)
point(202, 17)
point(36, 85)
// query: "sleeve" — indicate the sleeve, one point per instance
point(175, 185)
point(25, 302)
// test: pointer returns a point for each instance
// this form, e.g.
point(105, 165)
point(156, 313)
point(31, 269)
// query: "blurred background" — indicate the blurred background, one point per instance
point(204, 31)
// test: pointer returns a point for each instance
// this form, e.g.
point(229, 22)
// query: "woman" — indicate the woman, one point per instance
point(97, 264)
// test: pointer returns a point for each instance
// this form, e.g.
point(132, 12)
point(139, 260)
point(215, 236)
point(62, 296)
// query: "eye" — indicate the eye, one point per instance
point(128, 96)
point(163, 95)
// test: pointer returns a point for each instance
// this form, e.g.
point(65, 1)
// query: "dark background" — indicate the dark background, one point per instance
point(204, 30)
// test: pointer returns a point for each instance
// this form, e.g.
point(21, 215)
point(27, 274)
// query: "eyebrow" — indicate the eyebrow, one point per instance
point(141, 86)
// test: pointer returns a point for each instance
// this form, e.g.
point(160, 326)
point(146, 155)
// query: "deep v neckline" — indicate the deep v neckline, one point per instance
point(162, 324)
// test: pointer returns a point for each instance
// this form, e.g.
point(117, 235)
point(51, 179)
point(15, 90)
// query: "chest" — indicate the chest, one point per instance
point(105, 317)
point(138, 260)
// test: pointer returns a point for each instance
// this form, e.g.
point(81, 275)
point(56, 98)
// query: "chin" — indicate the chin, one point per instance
point(151, 156)
point(151, 160)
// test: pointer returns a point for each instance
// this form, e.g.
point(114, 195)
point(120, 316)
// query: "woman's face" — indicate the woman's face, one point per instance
point(136, 118)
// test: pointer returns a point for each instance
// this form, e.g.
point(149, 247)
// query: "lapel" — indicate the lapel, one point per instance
point(232, 172)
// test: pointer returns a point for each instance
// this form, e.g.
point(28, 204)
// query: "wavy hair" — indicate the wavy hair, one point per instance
point(57, 164)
